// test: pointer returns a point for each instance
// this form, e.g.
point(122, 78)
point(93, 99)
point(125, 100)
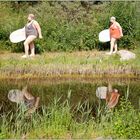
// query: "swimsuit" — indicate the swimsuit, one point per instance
point(113, 100)
point(29, 103)
point(30, 30)
point(114, 31)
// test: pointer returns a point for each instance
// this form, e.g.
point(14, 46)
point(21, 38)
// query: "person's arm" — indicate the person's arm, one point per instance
point(26, 94)
point(120, 28)
point(38, 28)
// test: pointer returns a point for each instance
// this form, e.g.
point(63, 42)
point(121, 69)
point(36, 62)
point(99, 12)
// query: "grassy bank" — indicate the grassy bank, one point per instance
point(68, 64)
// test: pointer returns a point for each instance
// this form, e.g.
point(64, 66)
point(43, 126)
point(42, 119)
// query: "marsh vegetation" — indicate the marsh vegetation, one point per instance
point(71, 110)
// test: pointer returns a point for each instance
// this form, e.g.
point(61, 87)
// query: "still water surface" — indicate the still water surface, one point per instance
point(80, 91)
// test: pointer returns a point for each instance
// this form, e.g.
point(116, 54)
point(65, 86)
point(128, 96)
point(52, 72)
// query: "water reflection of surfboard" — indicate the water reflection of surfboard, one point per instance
point(16, 95)
point(101, 92)
point(18, 35)
point(104, 36)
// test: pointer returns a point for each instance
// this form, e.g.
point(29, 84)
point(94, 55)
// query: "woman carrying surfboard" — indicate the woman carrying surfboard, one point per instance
point(115, 33)
point(32, 31)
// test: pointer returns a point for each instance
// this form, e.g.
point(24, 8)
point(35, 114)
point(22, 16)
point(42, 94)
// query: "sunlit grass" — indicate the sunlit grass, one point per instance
point(66, 63)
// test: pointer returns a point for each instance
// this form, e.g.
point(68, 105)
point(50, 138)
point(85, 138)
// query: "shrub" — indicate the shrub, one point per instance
point(125, 12)
point(123, 122)
point(126, 121)
point(67, 26)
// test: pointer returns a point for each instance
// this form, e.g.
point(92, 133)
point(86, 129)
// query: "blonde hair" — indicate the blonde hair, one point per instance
point(32, 16)
point(113, 18)
point(115, 90)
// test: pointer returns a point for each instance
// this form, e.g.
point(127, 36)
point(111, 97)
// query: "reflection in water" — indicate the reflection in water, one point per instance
point(24, 98)
point(80, 92)
point(112, 98)
point(109, 94)
point(69, 108)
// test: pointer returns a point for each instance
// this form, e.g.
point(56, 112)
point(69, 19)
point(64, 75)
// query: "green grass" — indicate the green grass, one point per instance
point(91, 63)
point(60, 120)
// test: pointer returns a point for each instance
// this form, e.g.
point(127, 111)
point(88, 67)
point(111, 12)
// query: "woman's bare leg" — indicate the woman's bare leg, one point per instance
point(116, 47)
point(32, 47)
point(28, 40)
point(112, 45)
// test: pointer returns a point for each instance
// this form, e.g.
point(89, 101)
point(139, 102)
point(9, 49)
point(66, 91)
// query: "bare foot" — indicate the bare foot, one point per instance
point(24, 56)
point(109, 53)
point(32, 55)
point(114, 52)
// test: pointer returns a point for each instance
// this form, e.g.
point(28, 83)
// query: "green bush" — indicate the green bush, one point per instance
point(126, 121)
point(67, 26)
point(125, 12)
point(123, 122)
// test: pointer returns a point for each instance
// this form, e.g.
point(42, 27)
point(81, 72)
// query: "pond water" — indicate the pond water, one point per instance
point(79, 90)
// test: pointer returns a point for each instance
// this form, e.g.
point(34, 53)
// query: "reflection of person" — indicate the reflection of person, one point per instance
point(109, 94)
point(32, 30)
point(26, 98)
point(30, 101)
point(115, 34)
point(112, 98)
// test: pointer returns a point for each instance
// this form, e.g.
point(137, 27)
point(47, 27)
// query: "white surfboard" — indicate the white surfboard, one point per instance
point(18, 35)
point(101, 92)
point(15, 95)
point(104, 36)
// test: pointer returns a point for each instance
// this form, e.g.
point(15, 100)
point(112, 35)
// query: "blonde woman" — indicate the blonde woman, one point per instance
point(32, 30)
point(115, 34)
